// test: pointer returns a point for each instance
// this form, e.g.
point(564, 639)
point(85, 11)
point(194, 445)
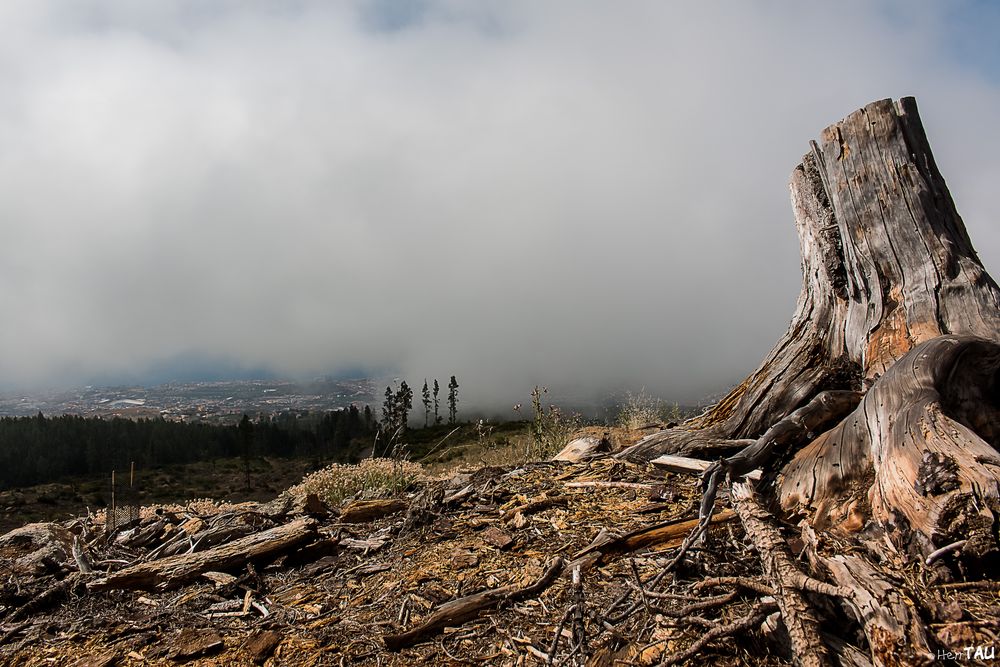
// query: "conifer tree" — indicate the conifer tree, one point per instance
point(389, 412)
point(404, 403)
point(452, 400)
point(437, 390)
point(426, 395)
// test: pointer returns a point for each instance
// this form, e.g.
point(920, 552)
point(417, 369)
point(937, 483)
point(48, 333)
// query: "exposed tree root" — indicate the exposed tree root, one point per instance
point(787, 581)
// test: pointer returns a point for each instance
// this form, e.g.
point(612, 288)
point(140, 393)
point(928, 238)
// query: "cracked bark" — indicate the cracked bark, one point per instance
point(886, 264)
point(894, 302)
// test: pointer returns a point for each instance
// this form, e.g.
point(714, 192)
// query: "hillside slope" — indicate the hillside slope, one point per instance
point(478, 568)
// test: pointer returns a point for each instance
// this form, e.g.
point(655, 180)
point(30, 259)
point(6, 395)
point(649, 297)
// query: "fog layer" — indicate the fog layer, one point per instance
point(589, 196)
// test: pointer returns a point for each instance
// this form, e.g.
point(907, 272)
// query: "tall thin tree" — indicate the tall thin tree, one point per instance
point(425, 394)
point(452, 400)
point(389, 412)
point(437, 403)
point(404, 403)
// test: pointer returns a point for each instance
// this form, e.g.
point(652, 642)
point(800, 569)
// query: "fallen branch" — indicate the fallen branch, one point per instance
point(972, 585)
point(664, 535)
point(457, 612)
point(944, 551)
point(174, 571)
point(543, 503)
point(755, 618)
point(739, 582)
point(47, 598)
point(808, 649)
point(5, 637)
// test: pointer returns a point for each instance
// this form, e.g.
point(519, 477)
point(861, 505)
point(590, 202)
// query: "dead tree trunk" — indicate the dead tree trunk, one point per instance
point(887, 265)
point(173, 571)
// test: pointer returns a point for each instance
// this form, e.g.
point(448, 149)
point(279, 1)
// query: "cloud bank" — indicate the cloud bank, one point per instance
point(584, 195)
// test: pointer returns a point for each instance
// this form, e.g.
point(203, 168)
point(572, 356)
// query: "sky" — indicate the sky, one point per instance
point(589, 196)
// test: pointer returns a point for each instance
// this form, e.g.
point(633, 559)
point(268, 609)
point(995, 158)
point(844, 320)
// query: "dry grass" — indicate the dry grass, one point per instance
point(196, 507)
point(642, 409)
point(372, 478)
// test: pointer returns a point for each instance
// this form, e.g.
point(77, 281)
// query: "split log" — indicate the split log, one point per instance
point(143, 536)
point(583, 448)
point(459, 611)
point(174, 571)
point(364, 511)
point(205, 539)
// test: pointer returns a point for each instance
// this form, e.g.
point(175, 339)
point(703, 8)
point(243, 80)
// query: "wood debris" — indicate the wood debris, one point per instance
point(501, 566)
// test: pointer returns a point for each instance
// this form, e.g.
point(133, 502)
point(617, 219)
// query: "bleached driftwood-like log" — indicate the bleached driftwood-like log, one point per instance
point(673, 463)
point(582, 448)
point(174, 571)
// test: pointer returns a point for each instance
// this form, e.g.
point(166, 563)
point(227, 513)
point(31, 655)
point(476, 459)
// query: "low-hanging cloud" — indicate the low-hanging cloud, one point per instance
point(589, 196)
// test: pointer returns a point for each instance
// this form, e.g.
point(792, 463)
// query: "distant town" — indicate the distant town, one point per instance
point(209, 402)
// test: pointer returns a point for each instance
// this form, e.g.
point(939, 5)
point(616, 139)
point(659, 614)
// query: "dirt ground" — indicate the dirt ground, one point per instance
point(362, 585)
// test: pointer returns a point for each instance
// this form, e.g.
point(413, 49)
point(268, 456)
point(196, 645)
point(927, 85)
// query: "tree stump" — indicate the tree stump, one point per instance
point(894, 303)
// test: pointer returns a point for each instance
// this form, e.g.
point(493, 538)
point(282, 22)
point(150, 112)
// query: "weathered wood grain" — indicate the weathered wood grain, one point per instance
point(173, 571)
point(932, 478)
point(894, 632)
point(687, 464)
point(886, 264)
